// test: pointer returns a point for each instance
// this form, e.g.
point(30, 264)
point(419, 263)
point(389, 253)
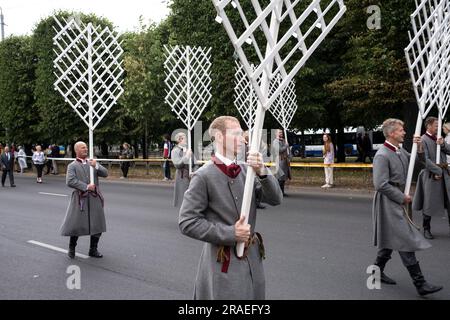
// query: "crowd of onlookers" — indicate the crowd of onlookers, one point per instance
point(18, 159)
point(44, 158)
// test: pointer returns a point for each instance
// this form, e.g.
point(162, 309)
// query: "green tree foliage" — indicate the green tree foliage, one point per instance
point(143, 99)
point(375, 83)
point(192, 23)
point(18, 115)
point(355, 77)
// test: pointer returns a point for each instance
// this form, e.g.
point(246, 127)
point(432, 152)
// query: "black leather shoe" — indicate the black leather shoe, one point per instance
point(422, 286)
point(95, 254)
point(13, 186)
point(260, 206)
point(385, 279)
point(428, 288)
point(427, 234)
point(71, 252)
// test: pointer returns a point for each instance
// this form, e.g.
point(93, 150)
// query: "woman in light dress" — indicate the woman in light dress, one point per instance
point(328, 158)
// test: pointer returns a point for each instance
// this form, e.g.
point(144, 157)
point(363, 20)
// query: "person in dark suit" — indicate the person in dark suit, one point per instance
point(55, 155)
point(7, 164)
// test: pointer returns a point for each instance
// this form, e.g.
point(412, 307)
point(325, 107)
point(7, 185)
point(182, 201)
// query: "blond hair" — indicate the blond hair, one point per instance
point(447, 126)
point(327, 144)
point(389, 126)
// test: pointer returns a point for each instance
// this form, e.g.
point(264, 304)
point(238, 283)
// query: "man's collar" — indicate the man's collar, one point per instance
point(82, 161)
point(223, 159)
point(391, 145)
point(432, 136)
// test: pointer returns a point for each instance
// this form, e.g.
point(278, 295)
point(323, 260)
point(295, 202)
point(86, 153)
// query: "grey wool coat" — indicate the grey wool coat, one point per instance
point(210, 209)
point(391, 228)
point(431, 196)
point(85, 217)
point(181, 163)
point(281, 158)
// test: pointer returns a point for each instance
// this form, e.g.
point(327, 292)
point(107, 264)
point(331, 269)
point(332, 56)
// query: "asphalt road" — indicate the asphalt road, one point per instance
point(318, 246)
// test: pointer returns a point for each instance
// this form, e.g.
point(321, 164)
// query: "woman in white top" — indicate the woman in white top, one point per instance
point(21, 156)
point(328, 158)
point(39, 161)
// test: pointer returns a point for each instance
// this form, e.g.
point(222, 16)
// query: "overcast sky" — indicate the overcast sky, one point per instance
point(22, 15)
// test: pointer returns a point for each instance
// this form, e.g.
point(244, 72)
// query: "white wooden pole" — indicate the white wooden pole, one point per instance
point(412, 160)
point(257, 131)
point(252, 98)
point(189, 102)
point(286, 140)
point(440, 102)
point(283, 116)
point(439, 135)
point(91, 103)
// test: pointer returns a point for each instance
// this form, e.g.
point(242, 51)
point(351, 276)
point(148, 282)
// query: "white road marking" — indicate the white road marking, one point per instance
point(53, 194)
point(56, 248)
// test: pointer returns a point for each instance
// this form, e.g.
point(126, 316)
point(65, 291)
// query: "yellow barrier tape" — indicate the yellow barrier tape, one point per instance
point(268, 164)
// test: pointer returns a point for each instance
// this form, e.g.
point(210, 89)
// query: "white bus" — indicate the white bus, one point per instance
point(314, 141)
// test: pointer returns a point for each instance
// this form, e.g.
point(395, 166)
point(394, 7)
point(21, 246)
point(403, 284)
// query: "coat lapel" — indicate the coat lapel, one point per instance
point(83, 170)
point(404, 163)
point(431, 147)
point(233, 185)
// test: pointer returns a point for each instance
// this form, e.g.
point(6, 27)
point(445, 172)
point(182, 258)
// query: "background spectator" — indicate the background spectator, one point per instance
point(328, 158)
point(48, 163)
point(39, 162)
point(125, 153)
point(21, 157)
point(367, 148)
point(167, 150)
point(55, 154)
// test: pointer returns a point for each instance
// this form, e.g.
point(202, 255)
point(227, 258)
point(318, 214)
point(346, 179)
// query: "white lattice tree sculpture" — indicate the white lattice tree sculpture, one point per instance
point(88, 71)
point(428, 58)
point(245, 98)
point(307, 23)
point(285, 106)
point(188, 84)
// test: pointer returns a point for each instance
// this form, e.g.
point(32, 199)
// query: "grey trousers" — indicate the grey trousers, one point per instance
point(408, 258)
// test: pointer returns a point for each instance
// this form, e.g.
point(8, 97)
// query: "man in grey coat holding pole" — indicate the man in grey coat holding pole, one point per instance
point(181, 156)
point(393, 229)
point(433, 184)
point(85, 214)
point(210, 212)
